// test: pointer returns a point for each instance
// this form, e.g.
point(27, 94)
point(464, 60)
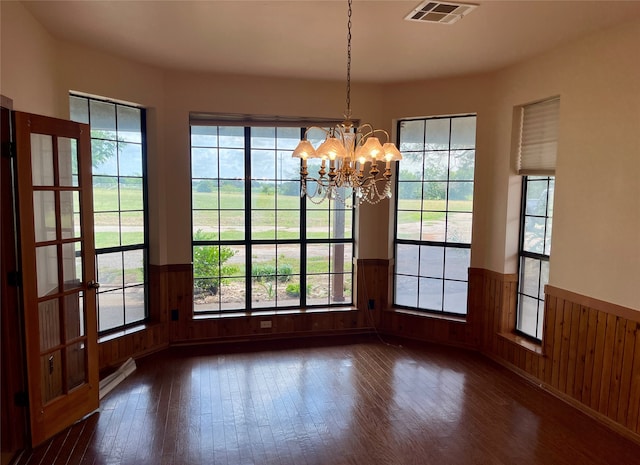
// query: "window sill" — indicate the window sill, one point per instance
point(263, 313)
point(523, 342)
point(434, 316)
point(123, 332)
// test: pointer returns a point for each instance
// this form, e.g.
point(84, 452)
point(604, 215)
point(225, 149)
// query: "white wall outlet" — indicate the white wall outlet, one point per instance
point(265, 324)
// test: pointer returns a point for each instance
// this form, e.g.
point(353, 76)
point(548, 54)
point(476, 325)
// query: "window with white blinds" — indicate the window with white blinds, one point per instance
point(539, 138)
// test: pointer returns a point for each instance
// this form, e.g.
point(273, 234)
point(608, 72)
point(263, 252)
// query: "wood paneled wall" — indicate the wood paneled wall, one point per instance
point(590, 355)
point(171, 292)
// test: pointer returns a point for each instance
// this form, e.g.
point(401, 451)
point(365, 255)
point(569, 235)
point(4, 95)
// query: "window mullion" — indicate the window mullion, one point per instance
point(247, 216)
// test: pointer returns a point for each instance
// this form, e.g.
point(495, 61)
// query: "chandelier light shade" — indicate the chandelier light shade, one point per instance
point(344, 154)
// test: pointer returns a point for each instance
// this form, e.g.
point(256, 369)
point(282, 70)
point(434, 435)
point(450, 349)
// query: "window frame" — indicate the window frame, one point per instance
point(144, 246)
point(248, 244)
point(420, 243)
point(536, 154)
point(524, 255)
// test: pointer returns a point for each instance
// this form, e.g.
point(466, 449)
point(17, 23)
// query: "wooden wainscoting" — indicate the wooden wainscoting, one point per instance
point(169, 288)
point(590, 354)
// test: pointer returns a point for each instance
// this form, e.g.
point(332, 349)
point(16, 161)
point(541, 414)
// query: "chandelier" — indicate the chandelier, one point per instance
point(348, 149)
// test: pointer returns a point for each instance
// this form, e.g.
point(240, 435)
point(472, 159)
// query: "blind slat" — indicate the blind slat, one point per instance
point(539, 137)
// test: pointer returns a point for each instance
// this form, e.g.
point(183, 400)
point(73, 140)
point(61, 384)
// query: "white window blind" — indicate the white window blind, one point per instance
point(539, 138)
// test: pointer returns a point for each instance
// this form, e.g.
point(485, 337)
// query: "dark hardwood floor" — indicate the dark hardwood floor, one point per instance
point(359, 403)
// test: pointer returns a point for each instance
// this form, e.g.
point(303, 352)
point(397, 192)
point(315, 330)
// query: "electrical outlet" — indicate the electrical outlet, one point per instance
point(265, 324)
point(372, 304)
point(174, 314)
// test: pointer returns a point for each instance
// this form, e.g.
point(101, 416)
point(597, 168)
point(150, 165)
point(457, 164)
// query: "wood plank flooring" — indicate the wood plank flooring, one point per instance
point(357, 403)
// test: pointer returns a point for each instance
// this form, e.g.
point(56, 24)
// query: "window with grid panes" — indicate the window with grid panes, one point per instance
point(434, 198)
point(537, 151)
point(119, 208)
point(535, 249)
point(256, 243)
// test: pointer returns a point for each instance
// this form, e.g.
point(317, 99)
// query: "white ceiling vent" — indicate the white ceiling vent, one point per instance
point(440, 12)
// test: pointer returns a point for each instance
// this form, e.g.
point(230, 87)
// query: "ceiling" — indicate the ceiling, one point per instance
point(307, 38)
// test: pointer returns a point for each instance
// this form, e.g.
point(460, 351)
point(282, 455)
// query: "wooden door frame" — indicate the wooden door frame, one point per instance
point(14, 388)
point(46, 419)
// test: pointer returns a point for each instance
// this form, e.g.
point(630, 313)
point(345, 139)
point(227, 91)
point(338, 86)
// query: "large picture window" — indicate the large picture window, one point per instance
point(119, 198)
point(434, 213)
point(256, 243)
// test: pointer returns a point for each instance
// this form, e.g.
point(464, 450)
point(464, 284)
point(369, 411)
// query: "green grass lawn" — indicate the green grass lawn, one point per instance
point(231, 216)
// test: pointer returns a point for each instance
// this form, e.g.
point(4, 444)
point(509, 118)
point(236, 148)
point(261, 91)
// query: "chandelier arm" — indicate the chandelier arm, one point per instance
point(382, 131)
point(306, 132)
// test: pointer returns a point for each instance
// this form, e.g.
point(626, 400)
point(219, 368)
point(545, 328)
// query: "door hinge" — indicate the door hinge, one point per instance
point(9, 149)
point(21, 399)
point(14, 279)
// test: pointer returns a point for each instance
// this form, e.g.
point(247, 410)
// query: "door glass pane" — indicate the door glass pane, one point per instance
point(72, 265)
point(47, 270)
point(74, 315)
point(51, 376)
point(76, 361)
point(67, 162)
point(49, 323)
point(42, 160)
point(44, 215)
point(70, 214)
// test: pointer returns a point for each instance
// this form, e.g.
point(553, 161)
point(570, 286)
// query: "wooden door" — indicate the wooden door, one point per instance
point(58, 271)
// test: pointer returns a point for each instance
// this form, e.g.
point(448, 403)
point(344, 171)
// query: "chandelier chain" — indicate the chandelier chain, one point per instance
point(342, 158)
point(348, 110)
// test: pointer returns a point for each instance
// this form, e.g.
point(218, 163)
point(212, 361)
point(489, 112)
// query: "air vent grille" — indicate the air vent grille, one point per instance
point(440, 12)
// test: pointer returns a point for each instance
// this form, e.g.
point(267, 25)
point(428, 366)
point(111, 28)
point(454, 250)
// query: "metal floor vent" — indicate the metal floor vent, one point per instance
point(440, 12)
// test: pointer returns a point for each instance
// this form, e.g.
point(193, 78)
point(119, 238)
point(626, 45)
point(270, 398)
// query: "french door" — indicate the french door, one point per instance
point(58, 271)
